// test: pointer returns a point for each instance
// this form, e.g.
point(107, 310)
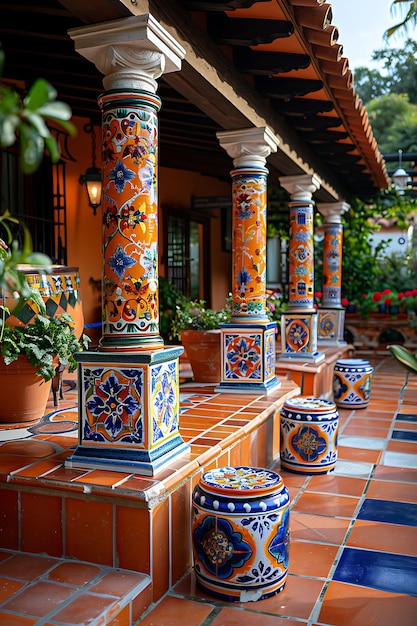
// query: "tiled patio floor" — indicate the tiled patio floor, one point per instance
point(353, 557)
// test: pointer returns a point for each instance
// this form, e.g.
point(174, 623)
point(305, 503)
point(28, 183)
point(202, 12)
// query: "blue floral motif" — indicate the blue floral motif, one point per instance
point(243, 356)
point(219, 548)
point(243, 277)
point(110, 409)
point(301, 236)
point(308, 443)
point(120, 262)
point(260, 523)
point(120, 175)
point(279, 547)
point(339, 387)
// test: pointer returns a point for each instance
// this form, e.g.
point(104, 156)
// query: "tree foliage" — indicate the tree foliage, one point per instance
point(394, 122)
point(398, 74)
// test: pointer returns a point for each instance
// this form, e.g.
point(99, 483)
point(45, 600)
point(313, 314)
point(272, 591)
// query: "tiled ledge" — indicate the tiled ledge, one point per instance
point(314, 379)
point(123, 520)
point(37, 588)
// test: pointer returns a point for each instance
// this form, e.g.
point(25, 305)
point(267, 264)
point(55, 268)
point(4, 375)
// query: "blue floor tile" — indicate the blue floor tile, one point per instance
point(406, 417)
point(404, 435)
point(388, 511)
point(396, 573)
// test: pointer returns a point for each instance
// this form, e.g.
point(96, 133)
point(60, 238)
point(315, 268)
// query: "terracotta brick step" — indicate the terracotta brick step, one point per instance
point(38, 589)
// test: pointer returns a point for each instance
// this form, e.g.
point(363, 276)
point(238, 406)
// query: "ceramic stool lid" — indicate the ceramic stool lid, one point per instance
point(310, 404)
point(352, 363)
point(242, 481)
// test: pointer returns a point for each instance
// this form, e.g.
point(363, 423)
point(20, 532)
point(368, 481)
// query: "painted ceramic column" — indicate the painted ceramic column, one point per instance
point(299, 323)
point(248, 342)
point(331, 314)
point(129, 388)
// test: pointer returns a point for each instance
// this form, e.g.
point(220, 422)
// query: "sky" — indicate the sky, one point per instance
point(361, 25)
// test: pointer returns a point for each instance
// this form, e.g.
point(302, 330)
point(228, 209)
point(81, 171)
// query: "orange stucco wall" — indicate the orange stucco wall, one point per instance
point(84, 230)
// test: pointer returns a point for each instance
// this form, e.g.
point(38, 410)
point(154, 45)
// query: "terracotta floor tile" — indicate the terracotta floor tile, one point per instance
point(383, 537)
point(386, 490)
point(349, 605)
point(117, 583)
point(107, 478)
point(359, 454)
point(235, 617)
point(408, 447)
point(6, 619)
point(397, 474)
point(8, 588)
point(178, 612)
point(25, 566)
point(296, 600)
point(311, 559)
point(89, 530)
point(340, 485)
point(366, 431)
point(318, 528)
point(10, 463)
point(293, 480)
point(38, 599)
point(75, 573)
point(374, 420)
point(338, 506)
point(84, 609)
point(27, 447)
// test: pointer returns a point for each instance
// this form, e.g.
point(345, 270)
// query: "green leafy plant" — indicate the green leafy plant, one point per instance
point(23, 120)
point(194, 315)
point(45, 341)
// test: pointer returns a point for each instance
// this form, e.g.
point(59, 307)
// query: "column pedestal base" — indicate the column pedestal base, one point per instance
point(330, 326)
point(248, 358)
point(299, 336)
point(128, 411)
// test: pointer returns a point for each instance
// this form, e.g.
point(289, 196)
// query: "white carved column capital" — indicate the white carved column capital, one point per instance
point(333, 211)
point(302, 187)
point(132, 52)
point(248, 147)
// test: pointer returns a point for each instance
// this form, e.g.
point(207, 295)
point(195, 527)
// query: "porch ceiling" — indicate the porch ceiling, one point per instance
point(248, 63)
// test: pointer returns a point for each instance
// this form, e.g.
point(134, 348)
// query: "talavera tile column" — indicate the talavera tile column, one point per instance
point(129, 388)
point(331, 313)
point(299, 322)
point(248, 342)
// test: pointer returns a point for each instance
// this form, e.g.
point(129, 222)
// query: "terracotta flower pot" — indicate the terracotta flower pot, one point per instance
point(23, 394)
point(203, 351)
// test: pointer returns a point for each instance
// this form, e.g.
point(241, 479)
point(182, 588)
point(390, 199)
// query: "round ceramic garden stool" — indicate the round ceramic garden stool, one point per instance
point(309, 428)
point(352, 380)
point(241, 533)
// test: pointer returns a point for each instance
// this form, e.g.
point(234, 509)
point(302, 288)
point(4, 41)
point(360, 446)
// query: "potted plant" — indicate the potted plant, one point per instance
point(31, 355)
point(197, 327)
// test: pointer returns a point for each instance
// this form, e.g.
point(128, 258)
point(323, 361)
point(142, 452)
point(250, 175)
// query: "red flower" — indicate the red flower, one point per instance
point(386, 292)
point(400, 295)
point(345, 301)
point(388, 301)
point(414, 292)
point(364, 295)
point(377, 296)
point(318, 294)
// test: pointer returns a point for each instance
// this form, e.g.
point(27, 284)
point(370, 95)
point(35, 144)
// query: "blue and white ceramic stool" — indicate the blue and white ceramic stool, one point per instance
point(241, 533)
point(309, 428)
point(352, 380)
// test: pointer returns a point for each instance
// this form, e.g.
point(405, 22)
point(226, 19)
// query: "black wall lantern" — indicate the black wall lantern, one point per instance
point(92, 177)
